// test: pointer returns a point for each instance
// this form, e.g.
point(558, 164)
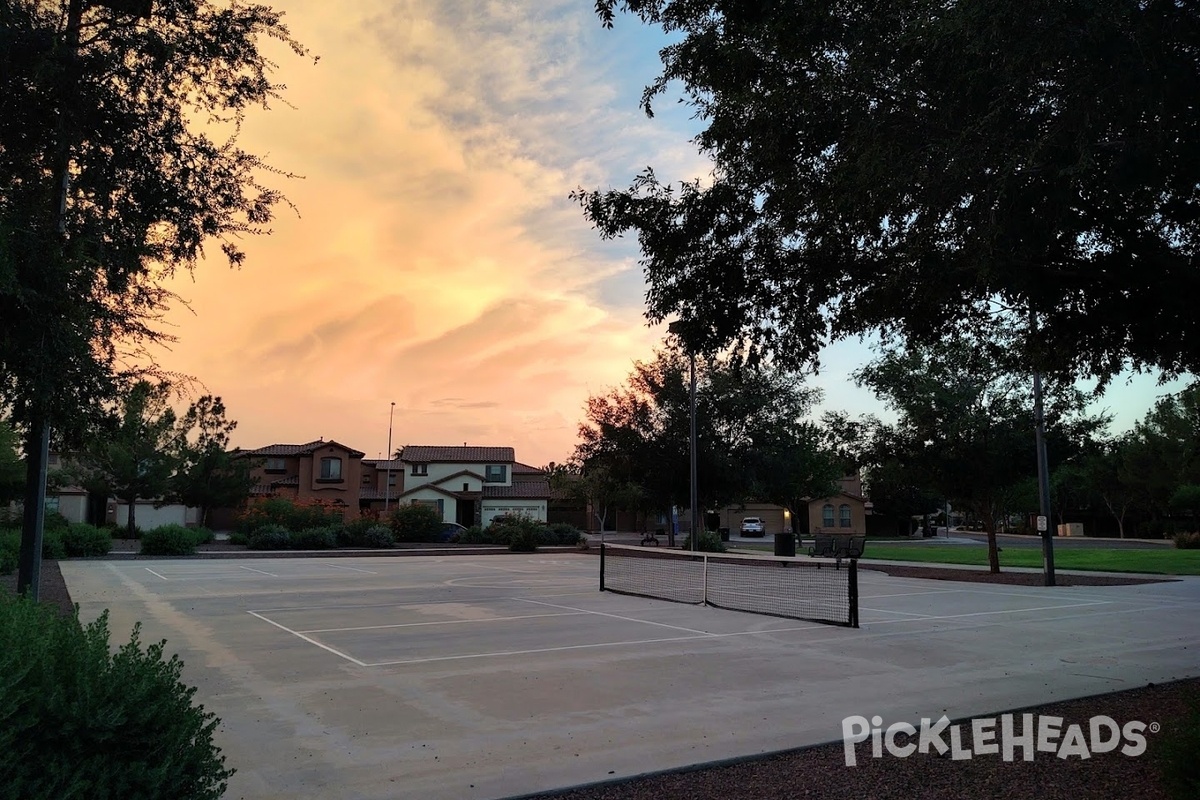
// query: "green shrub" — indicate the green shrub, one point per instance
point(55, 521)
point(10, 550)
point(378, 536)
point(472, 535)
point(316, 538)
point(295, 516)
point(521, 534)
point(81, 721)
point(86, 540)
point(270, 537)
point(354, 533)
point(52, 544)
point(563, 534)
point(416, 522)
point(202, 536)
point(1187, 541)
point(709, 542)
point(168, 540)
point(239, 538)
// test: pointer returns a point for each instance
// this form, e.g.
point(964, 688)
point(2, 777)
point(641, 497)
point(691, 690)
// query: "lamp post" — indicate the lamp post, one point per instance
point(681, 328)
point(1039, 426)
point(387, 487)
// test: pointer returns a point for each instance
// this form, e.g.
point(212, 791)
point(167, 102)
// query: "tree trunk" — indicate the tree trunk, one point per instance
point(989, 524)
point(130, 527)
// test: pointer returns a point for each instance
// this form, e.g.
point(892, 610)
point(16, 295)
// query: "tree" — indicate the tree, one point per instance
point(1032, 166)
point(208, 475)
point(138, 454)
point(965, 421)
point(793, 469)
point(749, 423)
point(1105, 475)
point(12, 471)
point(122, 112)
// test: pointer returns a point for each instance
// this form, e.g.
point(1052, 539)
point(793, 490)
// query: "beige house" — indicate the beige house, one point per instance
point(845, 512)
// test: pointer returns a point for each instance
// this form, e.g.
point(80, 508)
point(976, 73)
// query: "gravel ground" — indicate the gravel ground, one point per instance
point(821, 772)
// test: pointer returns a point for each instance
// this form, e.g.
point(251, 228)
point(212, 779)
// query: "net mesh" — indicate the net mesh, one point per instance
point(821, 590)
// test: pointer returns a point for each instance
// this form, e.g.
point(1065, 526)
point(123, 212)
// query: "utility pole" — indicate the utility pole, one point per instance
point(387, 489)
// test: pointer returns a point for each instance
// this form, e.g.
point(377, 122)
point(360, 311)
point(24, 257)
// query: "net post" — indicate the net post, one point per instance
point(853, 587)
point(704, 590)
point(602, 566)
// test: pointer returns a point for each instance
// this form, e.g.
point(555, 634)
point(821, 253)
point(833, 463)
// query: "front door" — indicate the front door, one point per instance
point(465, 515)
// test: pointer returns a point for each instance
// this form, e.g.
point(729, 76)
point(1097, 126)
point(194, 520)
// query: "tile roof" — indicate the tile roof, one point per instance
point(532, 489)
point(424, 454)
point(306, 449)
point(525, 469)
point(378, 494)
point(396, 465)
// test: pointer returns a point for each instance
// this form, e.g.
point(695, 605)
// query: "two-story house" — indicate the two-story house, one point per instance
point(472, 485)
point(846, 512)
point(467, 485)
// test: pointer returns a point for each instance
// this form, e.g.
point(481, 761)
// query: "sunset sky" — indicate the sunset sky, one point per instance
point(437, 261)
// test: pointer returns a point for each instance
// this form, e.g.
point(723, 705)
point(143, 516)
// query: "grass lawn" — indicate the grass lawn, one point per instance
point(1167, 562)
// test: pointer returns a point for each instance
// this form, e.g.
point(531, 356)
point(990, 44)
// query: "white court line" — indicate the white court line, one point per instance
point(901, 613)
point(155, 574)
point(992, 613)
point(704, 636)
point(439, 622)
point(355, 569)
point(908, 594)
point(259, 571)
point(309, 640)
point(618, 616)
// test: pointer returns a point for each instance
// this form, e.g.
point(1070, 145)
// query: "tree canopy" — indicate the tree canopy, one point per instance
point(913, 167)
point(141, 114)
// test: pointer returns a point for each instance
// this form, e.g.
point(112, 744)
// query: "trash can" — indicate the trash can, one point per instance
point(724, 534)
point(785, 544)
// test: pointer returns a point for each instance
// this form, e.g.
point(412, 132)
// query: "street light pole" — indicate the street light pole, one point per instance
point(682, 328)
point(1039, 425)
point(692, 403)
point(387, 489)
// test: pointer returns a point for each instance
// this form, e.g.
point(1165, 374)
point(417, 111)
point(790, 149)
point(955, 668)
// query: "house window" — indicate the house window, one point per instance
point(366, 479)
point(391, 479)
point(827, 516)
point(438, 504)
point(276, 465)
point(420, 469)
point(844, 516)
point(331, 469)
point(466, 487)
point(495, 473)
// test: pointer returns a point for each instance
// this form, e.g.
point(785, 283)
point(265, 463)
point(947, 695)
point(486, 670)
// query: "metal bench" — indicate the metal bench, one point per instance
point(824, 546)
point(850, 547)
point(652, 538)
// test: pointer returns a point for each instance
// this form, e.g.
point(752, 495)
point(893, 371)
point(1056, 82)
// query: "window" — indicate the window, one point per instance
point(495, 473)
point(827, 516)
point(391, 479)
point(438, 504)
point(844, 516)
point(331, 469)
point(466, 487)
point(366, 479)
point(420, 469)
point(276, 465)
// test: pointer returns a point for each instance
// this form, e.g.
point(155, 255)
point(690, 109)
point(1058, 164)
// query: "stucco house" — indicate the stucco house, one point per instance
point(467, 485)
point(846, 512)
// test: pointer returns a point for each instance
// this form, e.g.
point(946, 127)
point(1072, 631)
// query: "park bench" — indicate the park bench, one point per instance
point(840, 547)
point(652, 538)
point(850, 547)
point(824, 546)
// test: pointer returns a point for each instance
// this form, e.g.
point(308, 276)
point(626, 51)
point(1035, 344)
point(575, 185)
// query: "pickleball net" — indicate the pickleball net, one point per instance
point(816, 589)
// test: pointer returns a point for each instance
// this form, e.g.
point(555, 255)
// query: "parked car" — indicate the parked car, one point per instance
point(753, 526)
point(449, 530)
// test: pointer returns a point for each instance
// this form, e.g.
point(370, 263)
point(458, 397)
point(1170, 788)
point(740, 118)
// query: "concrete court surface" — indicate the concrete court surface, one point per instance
point(490, 676)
